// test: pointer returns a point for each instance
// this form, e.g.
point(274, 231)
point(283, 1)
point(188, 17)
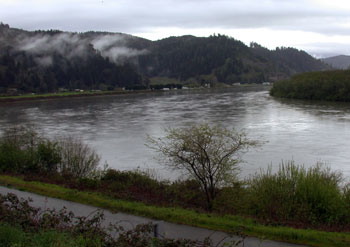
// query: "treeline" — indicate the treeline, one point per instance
point(226, 59)
point(29, 64)
point(326, 85)
point(21, 71)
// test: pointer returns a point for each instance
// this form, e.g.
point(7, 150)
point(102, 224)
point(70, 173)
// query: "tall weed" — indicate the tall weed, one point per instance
point(294, 193)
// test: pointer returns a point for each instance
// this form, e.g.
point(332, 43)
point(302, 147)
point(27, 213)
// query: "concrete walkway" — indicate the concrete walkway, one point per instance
point(166, 229)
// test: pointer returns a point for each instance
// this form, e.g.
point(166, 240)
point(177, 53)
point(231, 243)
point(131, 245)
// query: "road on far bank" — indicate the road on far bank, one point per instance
point(128, 221)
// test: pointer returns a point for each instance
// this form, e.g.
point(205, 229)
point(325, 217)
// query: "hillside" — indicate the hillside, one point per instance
point(46, 61)
point(338, 62)
point(225, 59)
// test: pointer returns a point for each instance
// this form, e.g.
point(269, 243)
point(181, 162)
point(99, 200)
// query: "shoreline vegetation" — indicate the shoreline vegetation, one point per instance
point(297, 205)
point(321, 86)
point(22, 225)
point(94, 93)
point(48, 96)
point(227, 223)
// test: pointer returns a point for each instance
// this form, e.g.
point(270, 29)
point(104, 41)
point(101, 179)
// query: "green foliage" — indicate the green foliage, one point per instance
point(326, 85)
point(186, 193)
point(311, 196)
point(231, 200)
point(17, 149)
point(49, 155)
point(11, 236)
point(23, 225)
point(77, 65)
point(22, 150)
point(227, 223)
point(229, 60)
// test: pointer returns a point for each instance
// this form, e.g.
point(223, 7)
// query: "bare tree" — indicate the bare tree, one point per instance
point(77, 159)
point(209, 154)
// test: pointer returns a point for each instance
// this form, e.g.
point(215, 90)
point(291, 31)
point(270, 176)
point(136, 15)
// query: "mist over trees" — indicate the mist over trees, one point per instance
point(49, 61)
point(46, 61)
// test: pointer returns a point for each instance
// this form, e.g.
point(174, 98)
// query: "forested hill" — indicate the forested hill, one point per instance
point(46, 61)
point(225, 59)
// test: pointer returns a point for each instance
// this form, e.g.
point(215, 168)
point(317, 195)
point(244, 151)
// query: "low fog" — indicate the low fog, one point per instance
point(70, 45)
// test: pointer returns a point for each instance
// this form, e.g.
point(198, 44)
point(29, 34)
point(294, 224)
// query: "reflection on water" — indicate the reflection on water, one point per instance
point(116, 126)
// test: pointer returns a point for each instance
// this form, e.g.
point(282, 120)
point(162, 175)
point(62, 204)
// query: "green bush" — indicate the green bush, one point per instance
point(187, 193)
point(132, 184)
point(18, 149)
point(11, 236)
point(22, 150)
point(313, 196)
point(231, 200)
point(48, 155)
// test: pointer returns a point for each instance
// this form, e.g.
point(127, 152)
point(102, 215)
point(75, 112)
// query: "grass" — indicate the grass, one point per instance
point(227, 223)
point(11, 236)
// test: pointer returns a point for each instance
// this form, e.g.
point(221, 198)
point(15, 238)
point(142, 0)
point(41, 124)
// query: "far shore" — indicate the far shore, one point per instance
point(51, 96)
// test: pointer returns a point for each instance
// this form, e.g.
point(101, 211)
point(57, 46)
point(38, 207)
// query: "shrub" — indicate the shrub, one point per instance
point(48, 155)
point(231, 200)
point(77, 159)
point(311, 196)
point(36, 227)
point(18, 149)
point(10, 236)
point(133, 185)
point(187, 193)
point(22, 150)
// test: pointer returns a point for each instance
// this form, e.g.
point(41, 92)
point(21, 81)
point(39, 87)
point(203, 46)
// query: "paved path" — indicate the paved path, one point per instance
point(169, 230)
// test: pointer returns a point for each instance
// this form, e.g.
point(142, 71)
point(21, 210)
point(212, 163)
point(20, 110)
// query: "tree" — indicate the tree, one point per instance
point(209, 154)
point(77, 159)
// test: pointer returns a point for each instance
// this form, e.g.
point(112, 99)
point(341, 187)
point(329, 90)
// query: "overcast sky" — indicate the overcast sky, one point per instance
point(321, 27)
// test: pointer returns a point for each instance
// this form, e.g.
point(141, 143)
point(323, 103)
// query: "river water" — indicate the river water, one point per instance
point(116, 126)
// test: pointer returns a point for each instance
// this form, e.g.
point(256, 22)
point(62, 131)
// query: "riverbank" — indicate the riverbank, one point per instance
point(37, 97)
point(317, 86)
point(226, 223)
point(53, 96)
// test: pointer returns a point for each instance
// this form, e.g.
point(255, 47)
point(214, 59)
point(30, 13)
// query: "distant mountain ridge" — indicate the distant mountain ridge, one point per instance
point(46, 61)
point(338, 62)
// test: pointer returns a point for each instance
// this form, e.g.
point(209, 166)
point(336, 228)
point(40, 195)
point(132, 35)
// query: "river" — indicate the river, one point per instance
point(116, 126)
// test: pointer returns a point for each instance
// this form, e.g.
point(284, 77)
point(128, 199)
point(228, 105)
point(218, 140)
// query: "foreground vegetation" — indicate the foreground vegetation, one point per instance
point(23, 225)
point(267, 205)
point(325, 85)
